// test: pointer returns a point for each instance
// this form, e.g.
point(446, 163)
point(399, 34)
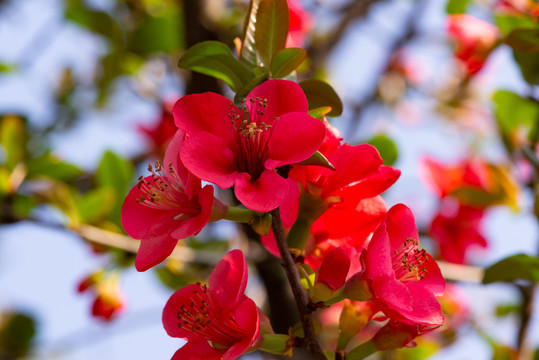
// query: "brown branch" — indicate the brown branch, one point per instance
point(311, 340)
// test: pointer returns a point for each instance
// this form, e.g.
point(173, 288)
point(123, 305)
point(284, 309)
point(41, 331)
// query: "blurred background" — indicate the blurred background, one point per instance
point(86, 88)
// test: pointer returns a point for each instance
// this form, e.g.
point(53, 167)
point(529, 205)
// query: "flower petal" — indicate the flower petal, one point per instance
point(190, 183)
point(426, 308)
point(352, 164)
point(172, 307)
point(263, 194)
point(283, 96)
point(295, 137)
point(193, 225)
point(334, 269)
point(246, 316)
point(400, 225)
point(210, 158)
point(198, 350)
point(378, 255)
point(228, 280)
point(153, 250)
point(207, 112)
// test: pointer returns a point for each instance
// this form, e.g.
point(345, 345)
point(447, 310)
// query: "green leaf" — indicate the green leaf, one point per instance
point(248, 54)
point(7, 68)
point(516, 267)
point(517, 117)
point(250, 86)
point(508, 23)
point(456, 6)
point(271, 28)
point(23, 205)
point(318, 159)
point(214, 58)
point(386, 147)
point(50, 166)
point(116, 173)
point(161, 33)
point(13, 140)
point(97, 21)
point(173, 280)
point(286, 61)
point(319, 93)
point(96, 204)
point(529, 66)
point(508, 309)
point(523, 40)
point(320, 112)
point(16, 335)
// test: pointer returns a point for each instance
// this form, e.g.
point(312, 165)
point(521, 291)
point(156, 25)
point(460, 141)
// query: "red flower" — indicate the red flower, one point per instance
point(474, 40)
point(331, 274)
point(109, 301)
point(218, 321)
point(300, 23)
point(107, 308)
point(444, 179)
point(403, 280)
point(395, 335)
point(242, 148)
point(455, 228)
point(166, 206)
point(160, 133)
point(343, 205)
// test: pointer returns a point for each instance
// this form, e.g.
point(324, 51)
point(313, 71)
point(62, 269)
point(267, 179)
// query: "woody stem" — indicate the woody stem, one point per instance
point(300, 296)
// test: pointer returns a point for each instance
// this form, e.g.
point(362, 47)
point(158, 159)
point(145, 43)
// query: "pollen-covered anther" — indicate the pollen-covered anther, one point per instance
point(408, 261)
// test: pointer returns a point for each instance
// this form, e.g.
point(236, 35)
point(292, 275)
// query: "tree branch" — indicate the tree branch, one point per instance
point(292, 274)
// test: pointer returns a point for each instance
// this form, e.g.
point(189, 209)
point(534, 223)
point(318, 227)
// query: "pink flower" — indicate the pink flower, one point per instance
point(243, 148)
point(218, 321)
point(456, 228)
point(474, 40)
point(166, 206)
point(403, 280)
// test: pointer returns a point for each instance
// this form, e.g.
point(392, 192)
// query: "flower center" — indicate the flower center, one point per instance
point(202, 317)
point(164, 191)
point(408, 261)
point(251, 136)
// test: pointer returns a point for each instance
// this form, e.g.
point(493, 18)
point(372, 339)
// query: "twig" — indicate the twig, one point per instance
point(292, 274)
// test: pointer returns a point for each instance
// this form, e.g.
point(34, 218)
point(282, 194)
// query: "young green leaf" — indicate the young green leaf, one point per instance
point(271, 28)
point(286, 61)
point(214, 58)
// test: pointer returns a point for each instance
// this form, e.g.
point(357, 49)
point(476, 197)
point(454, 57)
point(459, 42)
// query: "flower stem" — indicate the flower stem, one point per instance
point(300, 296)
point(240, 214)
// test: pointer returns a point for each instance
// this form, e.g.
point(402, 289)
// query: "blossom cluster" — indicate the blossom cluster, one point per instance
point(337, 224)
